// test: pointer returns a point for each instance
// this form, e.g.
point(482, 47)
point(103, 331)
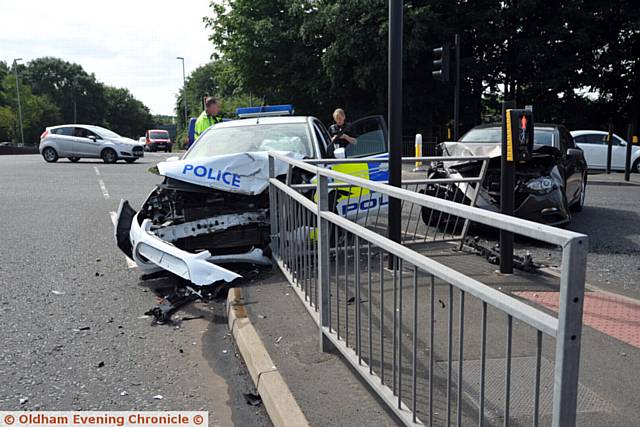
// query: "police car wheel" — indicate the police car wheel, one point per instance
point(74, 159)
point(636, 166)
point(109, 156)
point(50, 155)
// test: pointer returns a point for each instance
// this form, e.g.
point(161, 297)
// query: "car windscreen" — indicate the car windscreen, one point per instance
point(219, 141)
point(105, 133)
point(159, 135)
point(541, 136)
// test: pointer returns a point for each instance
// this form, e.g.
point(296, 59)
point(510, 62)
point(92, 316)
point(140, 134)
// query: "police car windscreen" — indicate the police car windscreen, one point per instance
point(219, 141)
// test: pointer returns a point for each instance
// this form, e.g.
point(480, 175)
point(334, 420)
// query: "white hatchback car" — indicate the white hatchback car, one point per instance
point(594, 145)
point(86, 141)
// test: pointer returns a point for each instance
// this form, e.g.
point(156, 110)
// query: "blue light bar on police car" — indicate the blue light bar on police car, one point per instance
point(265, 111)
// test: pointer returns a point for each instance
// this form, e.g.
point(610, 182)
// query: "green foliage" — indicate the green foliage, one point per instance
point(54, 91)
point(216, 78)
point(575, 61)
point(124, 114)
point(80, 97)
point(38, 112)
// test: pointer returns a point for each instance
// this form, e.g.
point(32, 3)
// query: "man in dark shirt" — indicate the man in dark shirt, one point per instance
point(341, 131)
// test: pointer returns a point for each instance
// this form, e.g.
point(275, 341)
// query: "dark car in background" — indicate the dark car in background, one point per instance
point(158, 139)
point(548, 186)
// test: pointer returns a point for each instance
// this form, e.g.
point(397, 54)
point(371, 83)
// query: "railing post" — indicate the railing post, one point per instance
point(273, 209)
point(565, 389)
point(324, 289)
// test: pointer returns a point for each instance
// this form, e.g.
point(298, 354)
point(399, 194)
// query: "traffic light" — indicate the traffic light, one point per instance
point(442, 62)
point(519, 135)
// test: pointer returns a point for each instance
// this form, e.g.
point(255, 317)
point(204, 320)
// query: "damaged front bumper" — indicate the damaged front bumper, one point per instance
point(151, 254)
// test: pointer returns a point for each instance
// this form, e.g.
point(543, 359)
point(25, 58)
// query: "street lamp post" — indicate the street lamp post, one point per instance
point(15, 71)
point(184, 93)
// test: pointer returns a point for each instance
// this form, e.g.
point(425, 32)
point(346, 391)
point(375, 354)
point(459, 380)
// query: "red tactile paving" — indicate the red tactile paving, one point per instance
point(616, 316)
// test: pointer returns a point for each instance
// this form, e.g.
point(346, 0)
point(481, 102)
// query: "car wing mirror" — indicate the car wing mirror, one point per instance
point(92, 137)
point(340, 153)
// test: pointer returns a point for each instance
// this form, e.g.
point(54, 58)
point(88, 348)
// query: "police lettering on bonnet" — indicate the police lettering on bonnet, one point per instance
point(212, 174)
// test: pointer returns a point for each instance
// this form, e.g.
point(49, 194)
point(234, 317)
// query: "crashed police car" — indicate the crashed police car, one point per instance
point(211, 211)
point(548, 186)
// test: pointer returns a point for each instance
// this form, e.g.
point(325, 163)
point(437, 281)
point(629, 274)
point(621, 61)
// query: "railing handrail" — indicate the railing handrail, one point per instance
point(515, 225)
point(404, 159)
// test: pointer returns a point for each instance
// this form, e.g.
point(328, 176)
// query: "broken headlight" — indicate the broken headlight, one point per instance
point(541, 185)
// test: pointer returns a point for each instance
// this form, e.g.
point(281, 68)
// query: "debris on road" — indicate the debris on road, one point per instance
point(124, 393)
point(158, 397)
point(58, 292)
point(252, 399)
point(523, 263)
point(24, 400)
point(101, 365)
point(278, 340)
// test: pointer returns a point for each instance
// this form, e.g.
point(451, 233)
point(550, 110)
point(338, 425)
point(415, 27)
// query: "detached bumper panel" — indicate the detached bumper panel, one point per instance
point(150, 253)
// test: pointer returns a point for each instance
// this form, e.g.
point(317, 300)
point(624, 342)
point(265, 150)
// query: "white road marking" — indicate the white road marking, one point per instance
point(130, 263)
point(103, 187)
point(95, 168)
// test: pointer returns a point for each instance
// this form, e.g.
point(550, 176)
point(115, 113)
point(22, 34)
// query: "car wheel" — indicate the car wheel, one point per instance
point(130, 160)
point(50, 155)
point(74, 159)
point(636, 166)
point(109, 155)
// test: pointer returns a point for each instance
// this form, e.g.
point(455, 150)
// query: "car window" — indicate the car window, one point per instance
point(489, 134)
point(592, 138)
point(66, 131)
point(158, 135)
point(84, 133)
point(323, 137)
point(543, 136)
point(218, 141)
point(370, 138)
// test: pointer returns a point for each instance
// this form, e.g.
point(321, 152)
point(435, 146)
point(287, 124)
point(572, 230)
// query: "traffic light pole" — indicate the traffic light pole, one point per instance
point(507, 184)
point(456, 97)
point(395, 117)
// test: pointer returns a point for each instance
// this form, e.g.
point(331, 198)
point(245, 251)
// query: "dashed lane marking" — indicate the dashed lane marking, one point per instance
point(130, 263)
point(103, 187)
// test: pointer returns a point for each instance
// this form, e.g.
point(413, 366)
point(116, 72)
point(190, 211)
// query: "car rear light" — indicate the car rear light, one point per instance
point(44, 134)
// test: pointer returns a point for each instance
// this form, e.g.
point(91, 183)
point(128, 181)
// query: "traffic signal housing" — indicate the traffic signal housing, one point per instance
point(519, 135)
point(442, 62)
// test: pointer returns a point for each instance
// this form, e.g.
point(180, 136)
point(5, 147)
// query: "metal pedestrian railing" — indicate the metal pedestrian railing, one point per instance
point(420, 225)
point(390, 310)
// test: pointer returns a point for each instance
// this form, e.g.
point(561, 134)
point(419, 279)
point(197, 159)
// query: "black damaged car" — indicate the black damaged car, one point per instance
point(548, 187)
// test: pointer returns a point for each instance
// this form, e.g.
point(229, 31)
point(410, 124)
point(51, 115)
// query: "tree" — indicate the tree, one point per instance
point(38, 112)
point(124, 114)
point(78, 95)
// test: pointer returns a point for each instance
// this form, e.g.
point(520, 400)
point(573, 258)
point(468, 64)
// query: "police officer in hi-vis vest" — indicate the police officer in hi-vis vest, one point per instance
point(209, 117)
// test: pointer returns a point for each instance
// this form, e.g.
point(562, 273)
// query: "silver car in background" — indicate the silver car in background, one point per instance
point(77, 142)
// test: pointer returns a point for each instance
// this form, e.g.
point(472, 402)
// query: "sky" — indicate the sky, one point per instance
point(131, 44)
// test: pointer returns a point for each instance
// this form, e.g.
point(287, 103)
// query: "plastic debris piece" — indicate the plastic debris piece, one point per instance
point(124, 393)
point(24, 400)
point(58, 292)
point(158, 397)
point(186, 318)
point(100, 364)
point(278, 340)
